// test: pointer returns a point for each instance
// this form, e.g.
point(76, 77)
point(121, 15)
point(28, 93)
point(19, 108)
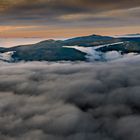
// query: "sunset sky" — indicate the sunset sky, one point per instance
point(67, 18)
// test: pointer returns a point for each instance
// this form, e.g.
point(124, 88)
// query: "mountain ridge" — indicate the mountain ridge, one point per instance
point(54, 50)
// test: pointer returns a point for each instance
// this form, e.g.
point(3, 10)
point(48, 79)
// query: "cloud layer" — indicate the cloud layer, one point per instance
point(70, 101)
point(61, 12)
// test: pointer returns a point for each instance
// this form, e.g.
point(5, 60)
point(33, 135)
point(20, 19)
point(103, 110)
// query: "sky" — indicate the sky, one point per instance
point(68, 18)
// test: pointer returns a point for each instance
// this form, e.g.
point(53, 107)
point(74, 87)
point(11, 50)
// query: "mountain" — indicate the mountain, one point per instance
point(2, 49)
point(49, 50)
point(128, 35)
point(129, 45)
point(55, 50)
point(89, 41)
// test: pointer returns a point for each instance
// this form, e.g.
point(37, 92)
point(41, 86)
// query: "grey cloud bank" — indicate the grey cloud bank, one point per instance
point(70, 101)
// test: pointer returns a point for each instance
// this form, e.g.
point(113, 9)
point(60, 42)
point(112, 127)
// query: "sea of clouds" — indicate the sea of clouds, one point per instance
point(70, 101)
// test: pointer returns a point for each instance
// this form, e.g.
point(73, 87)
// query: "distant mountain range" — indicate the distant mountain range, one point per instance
point(55, 50)
point(128, 35)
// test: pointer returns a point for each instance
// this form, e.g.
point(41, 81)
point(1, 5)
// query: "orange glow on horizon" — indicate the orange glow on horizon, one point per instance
point(35, 31)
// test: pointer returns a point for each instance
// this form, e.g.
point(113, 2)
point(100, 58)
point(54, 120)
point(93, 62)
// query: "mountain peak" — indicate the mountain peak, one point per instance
point(94, 35)
point(47, 41)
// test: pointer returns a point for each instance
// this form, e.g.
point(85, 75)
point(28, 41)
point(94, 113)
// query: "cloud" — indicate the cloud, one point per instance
point(70, 101)
point(48, 12)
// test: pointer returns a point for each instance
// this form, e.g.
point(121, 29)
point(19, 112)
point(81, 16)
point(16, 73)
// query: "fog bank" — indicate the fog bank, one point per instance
point(70, 101)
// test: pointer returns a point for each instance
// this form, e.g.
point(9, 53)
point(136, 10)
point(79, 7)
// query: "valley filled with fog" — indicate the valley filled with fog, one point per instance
point(83, 88)
point(70, 100)
point(92, 55)
point(69, 70)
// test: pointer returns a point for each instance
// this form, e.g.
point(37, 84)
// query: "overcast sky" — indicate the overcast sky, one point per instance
point(66, 18)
